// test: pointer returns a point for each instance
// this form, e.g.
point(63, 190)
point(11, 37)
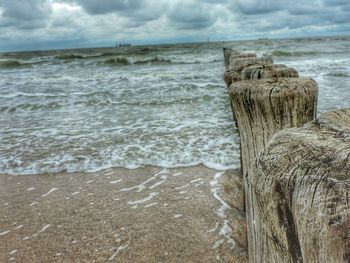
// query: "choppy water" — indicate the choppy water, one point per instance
point(90, 109)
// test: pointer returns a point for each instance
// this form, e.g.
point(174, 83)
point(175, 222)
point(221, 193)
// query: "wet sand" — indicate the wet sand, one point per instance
point(149, 214)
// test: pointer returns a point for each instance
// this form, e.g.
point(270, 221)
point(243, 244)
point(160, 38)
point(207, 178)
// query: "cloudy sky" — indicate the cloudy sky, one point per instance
point(45, 24)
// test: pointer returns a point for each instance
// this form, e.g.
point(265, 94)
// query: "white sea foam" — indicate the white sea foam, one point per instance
point(218, 243)
point(198, 184)
point(144, 200)
point(215, 189)
point(139, 187)
point(5, 232)
point(118, 250)
point(151, 204)
point(116, 181)
point(196, 180)
point(49, 192)
point(213, 229)
point(182, 186)
point(225, 230)
point(163, 177)
point(105, 119)
point(42, 230)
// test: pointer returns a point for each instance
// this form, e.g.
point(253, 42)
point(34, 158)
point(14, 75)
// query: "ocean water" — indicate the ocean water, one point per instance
point(91, 109)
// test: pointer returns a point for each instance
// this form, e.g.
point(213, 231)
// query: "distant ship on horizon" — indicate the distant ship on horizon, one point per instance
point(122, 44)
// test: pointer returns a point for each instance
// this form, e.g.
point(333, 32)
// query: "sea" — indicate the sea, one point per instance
point(85, 110)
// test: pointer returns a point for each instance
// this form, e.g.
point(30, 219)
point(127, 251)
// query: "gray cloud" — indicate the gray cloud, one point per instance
point(25, 10)
point(24, 15)
point(138, 10)
point(336, 2)
point(252, 7)
point(295, 7)
point(190, 15)
point(99, 22)
point(98, 7)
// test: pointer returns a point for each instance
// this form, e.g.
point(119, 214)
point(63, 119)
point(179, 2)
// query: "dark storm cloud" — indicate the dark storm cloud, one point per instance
point(259, 7)
point(139, 10)
point(24, 15)
point(190, 15)
point(98, 7)
point(346, 8)
point(215, 1)
point(95, 21)
point(271, 16)
point(25, 10)
point(336, 2)
point(254, 7)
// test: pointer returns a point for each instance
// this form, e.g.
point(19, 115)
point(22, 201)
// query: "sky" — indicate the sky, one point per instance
point(54, 24)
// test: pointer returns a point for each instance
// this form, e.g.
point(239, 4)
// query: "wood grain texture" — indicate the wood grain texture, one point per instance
point(268, 71)
point(300, 193)
point(266, 99)
point(234, 61)
point(264, 107)
point(240, 62)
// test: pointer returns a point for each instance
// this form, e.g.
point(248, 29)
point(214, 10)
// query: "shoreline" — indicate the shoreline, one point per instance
point(211, 166)
point(122, 215)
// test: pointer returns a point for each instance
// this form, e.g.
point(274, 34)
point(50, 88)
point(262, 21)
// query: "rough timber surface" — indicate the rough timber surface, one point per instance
point(263, 107)
point(268, 71)
point(301, 193)
point(266, 99)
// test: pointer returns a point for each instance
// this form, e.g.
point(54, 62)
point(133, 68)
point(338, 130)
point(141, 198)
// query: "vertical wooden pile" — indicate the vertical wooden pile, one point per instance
point(265, 99)
point(301, 199)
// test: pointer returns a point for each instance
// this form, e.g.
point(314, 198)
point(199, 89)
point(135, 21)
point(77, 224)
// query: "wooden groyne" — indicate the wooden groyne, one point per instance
point(301, 186)
point(296, 180)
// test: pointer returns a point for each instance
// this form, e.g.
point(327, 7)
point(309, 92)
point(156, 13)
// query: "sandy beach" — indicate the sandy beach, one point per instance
point(119, 215)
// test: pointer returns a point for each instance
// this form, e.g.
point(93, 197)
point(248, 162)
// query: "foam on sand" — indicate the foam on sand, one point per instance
point(116, 181)
point(49, 192)
point(100, 221)
point(118, 250)
point(5, 232)
point(225, 231)
point(42, 230)
point(144, 200)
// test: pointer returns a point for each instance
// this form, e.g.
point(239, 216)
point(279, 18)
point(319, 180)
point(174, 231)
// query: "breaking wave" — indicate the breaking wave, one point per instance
point(9, 64)
point(117, 61)
point(283, 53)
point(338, 74)
point(92, 109)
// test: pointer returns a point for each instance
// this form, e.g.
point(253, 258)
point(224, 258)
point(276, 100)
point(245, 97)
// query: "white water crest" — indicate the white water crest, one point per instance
point(167, 106)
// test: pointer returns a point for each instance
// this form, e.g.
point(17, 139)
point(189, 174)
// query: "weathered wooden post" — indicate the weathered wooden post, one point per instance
point(264, 107)
point(301, 194)
point(271, 99)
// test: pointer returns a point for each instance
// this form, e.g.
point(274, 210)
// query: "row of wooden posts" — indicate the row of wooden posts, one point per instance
point(296, 167)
